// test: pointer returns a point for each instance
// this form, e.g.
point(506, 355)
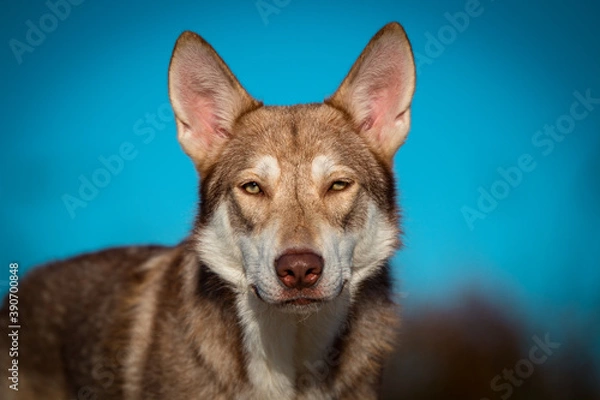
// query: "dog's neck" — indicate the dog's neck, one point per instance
point(283, 352)
point(287, 351)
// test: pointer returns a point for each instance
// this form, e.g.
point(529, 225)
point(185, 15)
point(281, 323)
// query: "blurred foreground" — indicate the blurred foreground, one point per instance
point(476, 350)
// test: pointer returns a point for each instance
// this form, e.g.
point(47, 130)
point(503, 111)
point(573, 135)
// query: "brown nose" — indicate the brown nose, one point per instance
point(299, 270)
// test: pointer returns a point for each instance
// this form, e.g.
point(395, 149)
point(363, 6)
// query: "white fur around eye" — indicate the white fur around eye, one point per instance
point(268, 168)
point(321, 167)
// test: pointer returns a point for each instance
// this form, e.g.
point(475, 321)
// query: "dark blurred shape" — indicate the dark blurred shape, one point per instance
point(457, 352)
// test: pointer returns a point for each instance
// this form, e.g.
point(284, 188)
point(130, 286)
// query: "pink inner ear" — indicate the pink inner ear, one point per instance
point(383, 108)
point(203, 126)
point(198, 90)
point(386, 82)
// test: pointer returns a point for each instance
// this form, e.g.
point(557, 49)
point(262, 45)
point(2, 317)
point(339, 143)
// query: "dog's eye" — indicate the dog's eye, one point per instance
point(252, 188)
point(339, 185)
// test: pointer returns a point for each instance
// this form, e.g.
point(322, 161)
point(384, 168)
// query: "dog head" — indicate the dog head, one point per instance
point(297, 203)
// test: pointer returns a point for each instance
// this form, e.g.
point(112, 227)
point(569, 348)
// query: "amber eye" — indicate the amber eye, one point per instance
point(339, 185)
point(252, 188)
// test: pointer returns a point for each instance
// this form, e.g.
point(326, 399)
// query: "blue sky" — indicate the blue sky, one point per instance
point(494, 77)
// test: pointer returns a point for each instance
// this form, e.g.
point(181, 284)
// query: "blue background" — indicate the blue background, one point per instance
point(88, 87)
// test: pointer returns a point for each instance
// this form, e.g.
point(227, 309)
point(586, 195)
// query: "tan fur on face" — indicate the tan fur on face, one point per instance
point(295, 154)
point(295, 136)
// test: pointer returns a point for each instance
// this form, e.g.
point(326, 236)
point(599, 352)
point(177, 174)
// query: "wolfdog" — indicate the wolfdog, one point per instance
point(281, 291)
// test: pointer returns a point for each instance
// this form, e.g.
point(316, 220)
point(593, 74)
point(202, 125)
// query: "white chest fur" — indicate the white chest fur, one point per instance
point(285, 350)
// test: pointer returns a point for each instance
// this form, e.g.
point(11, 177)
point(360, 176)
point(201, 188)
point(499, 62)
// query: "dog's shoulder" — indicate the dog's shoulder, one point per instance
point(89, 272)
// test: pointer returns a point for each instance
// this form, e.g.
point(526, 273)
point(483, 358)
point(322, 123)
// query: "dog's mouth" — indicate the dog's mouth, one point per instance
point(301, 301)
point(298, 299)
point(301, 305)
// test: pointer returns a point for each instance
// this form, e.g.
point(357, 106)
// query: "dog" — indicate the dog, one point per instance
point(281, 291)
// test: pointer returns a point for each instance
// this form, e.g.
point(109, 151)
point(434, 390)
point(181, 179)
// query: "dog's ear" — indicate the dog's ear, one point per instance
point(206, 97)
point(378, 90)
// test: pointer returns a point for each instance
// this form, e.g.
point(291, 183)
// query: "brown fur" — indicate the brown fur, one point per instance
point(162, 323)
point(76, 322)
